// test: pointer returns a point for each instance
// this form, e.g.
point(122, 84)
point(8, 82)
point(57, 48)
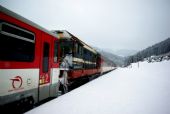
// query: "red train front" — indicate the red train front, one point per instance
point(29, 65)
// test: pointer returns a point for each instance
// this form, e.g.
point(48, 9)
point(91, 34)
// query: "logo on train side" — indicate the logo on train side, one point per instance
point(16, 82)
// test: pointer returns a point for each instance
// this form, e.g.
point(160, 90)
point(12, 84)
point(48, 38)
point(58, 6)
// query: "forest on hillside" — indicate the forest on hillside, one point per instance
point(158, 49)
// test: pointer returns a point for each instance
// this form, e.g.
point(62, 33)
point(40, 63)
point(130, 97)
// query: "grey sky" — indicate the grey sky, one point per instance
point(114, 24)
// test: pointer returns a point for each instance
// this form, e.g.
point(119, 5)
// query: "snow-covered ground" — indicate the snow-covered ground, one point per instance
point(143, 90)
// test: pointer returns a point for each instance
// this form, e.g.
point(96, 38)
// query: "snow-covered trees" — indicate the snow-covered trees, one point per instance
point(158, 49)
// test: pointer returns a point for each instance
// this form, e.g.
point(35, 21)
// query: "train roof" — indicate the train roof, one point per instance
point(17, 16)
point(68, 35)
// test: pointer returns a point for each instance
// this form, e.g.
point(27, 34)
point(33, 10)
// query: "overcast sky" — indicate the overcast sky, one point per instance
point(109, 24)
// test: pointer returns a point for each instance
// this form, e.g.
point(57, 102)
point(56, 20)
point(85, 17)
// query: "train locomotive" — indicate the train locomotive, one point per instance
point(35, 64)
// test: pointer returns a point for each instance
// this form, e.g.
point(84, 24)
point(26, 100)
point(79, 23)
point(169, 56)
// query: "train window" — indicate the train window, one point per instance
point(16, 32)
point(76, 49)
point(15, 45)
point(55, 51)
point(46, 57)
point(80, 50)
point(66, 48)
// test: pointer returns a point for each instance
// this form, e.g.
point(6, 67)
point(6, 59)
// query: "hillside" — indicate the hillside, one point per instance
point(124, 52)
point(118, 60)
point(159, 49)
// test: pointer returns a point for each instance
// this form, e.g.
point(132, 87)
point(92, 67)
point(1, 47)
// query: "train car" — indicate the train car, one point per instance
point(36, 64)
point(107, 65)
point(77, 59)
point(29, 65)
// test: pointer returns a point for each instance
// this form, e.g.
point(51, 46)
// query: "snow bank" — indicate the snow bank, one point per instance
point(143, 90)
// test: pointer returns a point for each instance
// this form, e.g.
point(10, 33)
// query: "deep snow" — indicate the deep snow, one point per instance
point(143, 90)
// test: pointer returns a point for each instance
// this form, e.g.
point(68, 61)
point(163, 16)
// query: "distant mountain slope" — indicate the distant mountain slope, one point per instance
point(118, 60)
point(124, 52)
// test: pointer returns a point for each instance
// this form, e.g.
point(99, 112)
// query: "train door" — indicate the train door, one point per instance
point(45, 66)
point(54, 68)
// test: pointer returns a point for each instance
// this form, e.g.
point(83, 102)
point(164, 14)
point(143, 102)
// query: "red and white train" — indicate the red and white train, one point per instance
point(35, 63)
